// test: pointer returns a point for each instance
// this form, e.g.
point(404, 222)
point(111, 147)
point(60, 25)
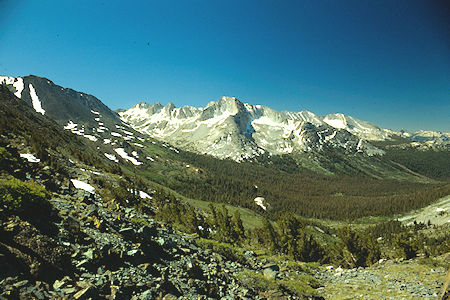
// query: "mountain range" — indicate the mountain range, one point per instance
point(225, 129)
point(231, 129)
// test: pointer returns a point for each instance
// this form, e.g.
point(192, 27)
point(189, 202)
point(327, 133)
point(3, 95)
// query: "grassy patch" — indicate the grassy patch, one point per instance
point(24, 198)
point(300, 284)
point(250, 219)
point(139, 221)
point(224, 249)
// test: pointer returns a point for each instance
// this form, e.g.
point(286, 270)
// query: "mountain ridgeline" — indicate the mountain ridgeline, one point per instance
point(231, 129)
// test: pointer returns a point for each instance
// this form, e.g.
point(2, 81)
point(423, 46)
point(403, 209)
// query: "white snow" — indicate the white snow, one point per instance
point(135, 154)
point(79, 132)
point(359, 144)
point(336, 120)
point(127, 132)
point(125, 156)
point(150, 158)
point(139, 145)
point(37, 105)
point(82, 185)
point(329, 137)
point(16, 82)
point(335, 123)
point(70, 125)
point(30, 157)
point(260, 201)
point(95, 112)
point(144, 195)
point(106, 141)
point(116, 134)
point(111, 157)
point(214, 121)
point(90, 137)
point(97, 119)
point(266, 121)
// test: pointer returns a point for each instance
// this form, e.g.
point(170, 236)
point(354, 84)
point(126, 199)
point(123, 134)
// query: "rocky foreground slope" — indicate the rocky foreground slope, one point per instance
point(80, 246)
point(118, 253)
point(86, 248)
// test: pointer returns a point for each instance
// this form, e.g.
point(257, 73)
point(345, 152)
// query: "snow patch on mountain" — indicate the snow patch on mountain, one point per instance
point(337, 121)
point(261, 202)
point(83, 185)
point(37, 105)
point(70, 125)
point(30, 157)
point(144, 195)
point(111, 157)
point(125, 156)
point(16, 82)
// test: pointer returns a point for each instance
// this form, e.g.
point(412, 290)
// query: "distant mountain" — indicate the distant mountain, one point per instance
point(229, 128)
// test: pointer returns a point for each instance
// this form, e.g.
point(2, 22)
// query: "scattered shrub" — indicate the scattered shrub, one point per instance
point(23, 197)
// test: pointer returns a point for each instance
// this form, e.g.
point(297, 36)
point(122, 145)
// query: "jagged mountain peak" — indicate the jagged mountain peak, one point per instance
point(230, 128)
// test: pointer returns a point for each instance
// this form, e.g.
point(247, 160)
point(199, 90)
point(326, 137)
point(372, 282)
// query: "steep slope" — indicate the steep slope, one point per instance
point(79, 113)
point(231, 129)
point(59, 103)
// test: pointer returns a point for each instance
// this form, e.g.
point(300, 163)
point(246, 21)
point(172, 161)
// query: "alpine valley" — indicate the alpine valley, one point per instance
point(232, 201)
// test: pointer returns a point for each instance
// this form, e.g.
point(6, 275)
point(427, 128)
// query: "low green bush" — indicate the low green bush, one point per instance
point(23, 198)
point(224, 249)
point(299, 284)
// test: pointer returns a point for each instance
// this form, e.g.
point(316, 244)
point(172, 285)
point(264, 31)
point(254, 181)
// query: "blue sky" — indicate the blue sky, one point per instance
point(387, 62)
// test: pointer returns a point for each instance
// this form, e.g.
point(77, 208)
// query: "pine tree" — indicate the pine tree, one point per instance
point(289, 226)
point(237, 228)
point(269, 236)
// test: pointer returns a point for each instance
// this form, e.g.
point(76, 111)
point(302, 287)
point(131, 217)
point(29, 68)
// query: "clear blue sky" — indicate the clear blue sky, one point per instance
point(387, 62)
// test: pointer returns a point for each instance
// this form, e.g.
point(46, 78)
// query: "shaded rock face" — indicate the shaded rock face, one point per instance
point(231, 129)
